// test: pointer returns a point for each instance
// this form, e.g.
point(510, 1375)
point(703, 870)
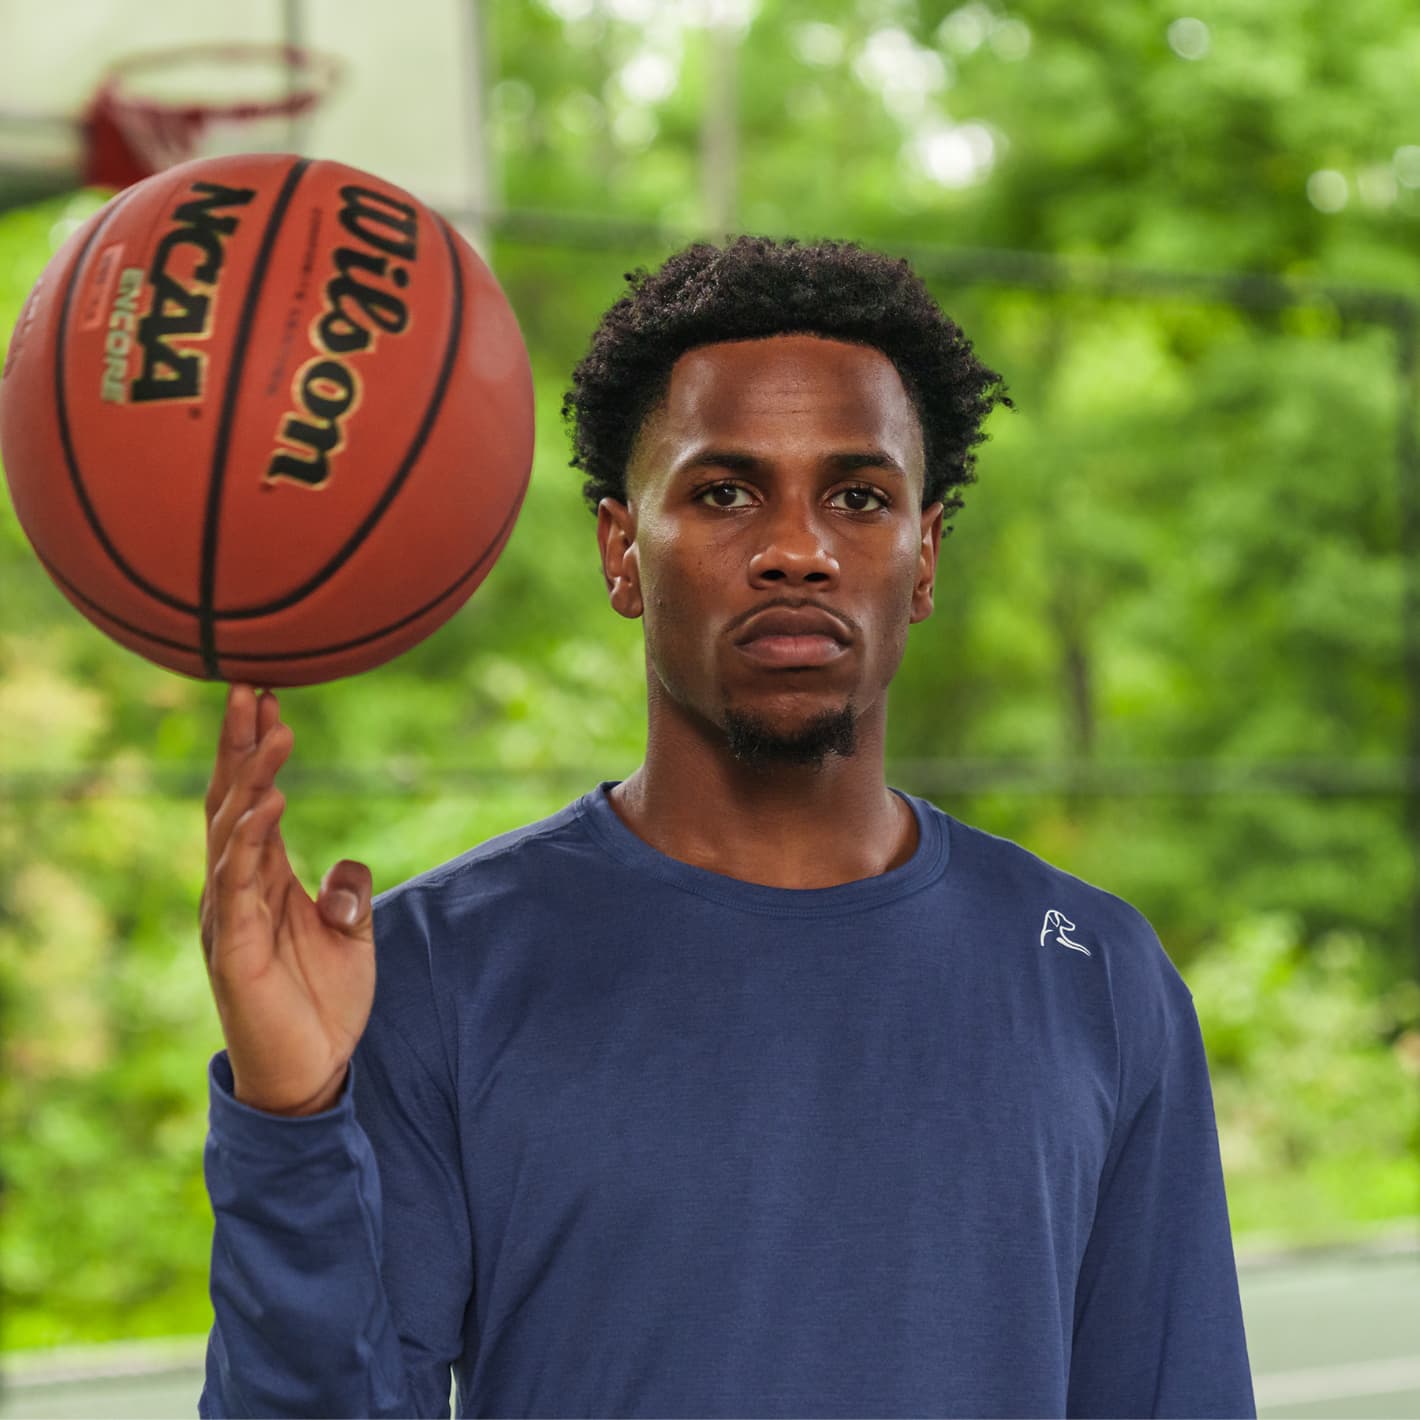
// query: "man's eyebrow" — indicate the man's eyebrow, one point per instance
point(843, 461)
point(867, 458)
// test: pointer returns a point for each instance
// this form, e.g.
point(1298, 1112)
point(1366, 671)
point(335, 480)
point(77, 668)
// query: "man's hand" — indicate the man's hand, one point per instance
point(294, 979)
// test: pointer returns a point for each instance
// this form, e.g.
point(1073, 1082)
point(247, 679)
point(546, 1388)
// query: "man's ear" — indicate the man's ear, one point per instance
point(927, 562)
point(616, 536)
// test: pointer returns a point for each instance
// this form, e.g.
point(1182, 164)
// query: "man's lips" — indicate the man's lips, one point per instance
point(793, 650)
point(787, 636)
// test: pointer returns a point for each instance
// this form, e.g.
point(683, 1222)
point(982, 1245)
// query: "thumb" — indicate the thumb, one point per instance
point(344, 900)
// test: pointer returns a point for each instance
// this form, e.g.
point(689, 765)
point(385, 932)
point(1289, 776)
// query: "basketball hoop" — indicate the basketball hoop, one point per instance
point(157, 109)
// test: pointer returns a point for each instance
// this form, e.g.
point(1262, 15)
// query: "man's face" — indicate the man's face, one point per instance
point(778, 475)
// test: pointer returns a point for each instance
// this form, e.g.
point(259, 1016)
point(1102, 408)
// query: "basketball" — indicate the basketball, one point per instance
point(267, 419)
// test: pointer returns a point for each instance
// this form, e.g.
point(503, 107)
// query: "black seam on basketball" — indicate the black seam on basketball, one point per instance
point(416, 447)
point(208, 576)
point(66, 441)
point(313, 651)
point(393, 626)
point(109, 616)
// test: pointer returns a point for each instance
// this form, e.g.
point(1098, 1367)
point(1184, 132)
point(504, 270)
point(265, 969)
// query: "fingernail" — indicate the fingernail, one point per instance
point(343, 907)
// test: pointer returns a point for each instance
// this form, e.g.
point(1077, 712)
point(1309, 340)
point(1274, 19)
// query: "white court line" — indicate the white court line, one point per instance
point(63, 1365)
point(1337, 1382)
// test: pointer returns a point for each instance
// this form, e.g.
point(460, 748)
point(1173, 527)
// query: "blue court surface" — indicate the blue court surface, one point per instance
point(1333, 1333)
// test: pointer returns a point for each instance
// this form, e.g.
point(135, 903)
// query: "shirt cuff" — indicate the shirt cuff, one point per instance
point(275, 1136)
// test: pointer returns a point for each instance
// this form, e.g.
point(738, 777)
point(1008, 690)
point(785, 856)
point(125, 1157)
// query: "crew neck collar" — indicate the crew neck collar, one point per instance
point(927, 863)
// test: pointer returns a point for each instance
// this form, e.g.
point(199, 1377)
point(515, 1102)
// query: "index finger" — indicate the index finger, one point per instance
point(234, 743)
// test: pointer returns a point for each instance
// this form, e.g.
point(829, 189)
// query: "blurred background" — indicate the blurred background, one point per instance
point(1177, 640)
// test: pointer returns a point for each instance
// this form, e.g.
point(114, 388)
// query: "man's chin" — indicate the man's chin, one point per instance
point(760, 743)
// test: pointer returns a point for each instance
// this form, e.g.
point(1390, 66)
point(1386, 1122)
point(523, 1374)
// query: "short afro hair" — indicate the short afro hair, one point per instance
point(756, 287)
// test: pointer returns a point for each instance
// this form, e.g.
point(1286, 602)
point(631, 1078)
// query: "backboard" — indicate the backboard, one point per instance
point(405, 104)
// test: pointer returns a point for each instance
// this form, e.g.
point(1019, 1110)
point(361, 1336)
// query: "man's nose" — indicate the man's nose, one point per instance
point(794, 550)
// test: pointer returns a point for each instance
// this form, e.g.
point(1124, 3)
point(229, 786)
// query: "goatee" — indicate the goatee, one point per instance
point(754, 743)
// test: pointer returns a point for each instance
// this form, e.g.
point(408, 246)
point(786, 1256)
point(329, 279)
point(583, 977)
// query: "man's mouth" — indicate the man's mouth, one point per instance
point(782, 651)
point(794, 636)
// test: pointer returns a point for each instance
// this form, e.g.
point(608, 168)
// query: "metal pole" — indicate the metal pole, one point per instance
point(719, 131)
point(293, 38)
point(1407, 467)
point(478, 219)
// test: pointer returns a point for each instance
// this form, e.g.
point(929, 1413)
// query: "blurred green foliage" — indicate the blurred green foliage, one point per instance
point(1181, 561)
point(1315, 1058)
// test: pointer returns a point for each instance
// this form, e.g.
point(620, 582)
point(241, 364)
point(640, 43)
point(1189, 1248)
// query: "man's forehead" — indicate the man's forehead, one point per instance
point(779, 396)
point(730, 378)
point(746, 393)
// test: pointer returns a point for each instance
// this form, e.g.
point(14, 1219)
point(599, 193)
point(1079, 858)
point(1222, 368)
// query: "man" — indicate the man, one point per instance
point(748, 1086)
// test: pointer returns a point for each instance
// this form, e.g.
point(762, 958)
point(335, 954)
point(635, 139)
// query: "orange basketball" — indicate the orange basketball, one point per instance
point(267, 419)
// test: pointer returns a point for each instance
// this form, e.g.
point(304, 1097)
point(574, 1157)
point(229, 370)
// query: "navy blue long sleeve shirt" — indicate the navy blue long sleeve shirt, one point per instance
point(628, 1137)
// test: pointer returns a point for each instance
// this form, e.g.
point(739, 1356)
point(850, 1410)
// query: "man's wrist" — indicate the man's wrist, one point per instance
point(322, 1102)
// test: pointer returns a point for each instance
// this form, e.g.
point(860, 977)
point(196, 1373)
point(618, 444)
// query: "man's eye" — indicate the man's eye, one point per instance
point(729, 490)
point(858, 494)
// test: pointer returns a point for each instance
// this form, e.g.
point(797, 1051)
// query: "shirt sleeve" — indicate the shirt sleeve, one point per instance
point(1158, 1319)
point(341, 1252)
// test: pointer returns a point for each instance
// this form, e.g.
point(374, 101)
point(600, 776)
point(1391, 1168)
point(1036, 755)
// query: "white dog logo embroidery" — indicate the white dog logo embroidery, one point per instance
point(1057, 922)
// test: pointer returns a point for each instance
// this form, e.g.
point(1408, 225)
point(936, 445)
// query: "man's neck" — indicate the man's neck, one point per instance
point(782, 825)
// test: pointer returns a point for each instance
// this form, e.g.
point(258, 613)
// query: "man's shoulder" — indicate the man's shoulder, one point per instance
point(1004, 877)
point(517, 861)
point(994, 864)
